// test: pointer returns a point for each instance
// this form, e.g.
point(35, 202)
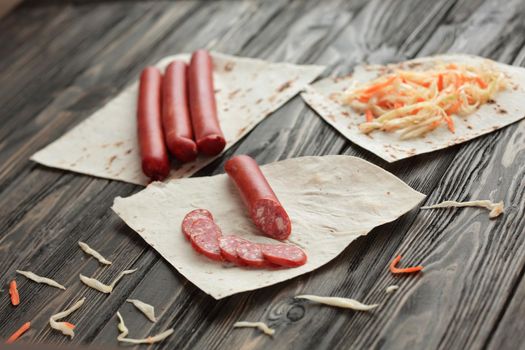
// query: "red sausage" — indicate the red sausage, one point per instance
point(155, 162)
point(208, 133)
point(265, 209)
point(175, 113)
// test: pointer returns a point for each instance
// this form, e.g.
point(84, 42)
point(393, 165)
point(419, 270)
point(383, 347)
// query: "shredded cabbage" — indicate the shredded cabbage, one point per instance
point(417, 102)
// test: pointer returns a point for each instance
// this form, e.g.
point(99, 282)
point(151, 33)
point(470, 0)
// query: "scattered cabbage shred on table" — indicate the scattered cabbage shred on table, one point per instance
point(417, 102)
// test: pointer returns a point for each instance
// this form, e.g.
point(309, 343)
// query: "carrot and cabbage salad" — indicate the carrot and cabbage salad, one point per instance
point(417, 102)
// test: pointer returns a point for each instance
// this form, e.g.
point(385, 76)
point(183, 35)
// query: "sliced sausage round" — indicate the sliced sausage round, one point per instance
point(286, 255)
point(228, 245)
point(250, 254)
point(193, 216)
point(208, 245)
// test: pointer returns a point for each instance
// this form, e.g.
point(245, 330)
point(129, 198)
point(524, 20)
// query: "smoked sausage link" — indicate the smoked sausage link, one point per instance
point(155, 162)
point(175, 113)
point(265, 209)
point(208, 134)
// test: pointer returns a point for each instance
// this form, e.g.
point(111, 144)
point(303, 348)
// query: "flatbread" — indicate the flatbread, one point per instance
point(331, 201)
point(509, 107)
point(105, 144)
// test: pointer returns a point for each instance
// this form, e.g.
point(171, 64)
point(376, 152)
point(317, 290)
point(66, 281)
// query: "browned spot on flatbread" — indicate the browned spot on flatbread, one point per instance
point(501, 110)
point(111, 160)
point(345, 113)
point(217, 91)
point(118, 144)
point(233, 93)
point(334, 96)
point(105, 145)
point(491, 101)
point(258, 101)
point(241, 131)
point(272, 98)
point(228, 67)
point(413, 65)
point(284, 86)
point(331, 117)
point(129, 151)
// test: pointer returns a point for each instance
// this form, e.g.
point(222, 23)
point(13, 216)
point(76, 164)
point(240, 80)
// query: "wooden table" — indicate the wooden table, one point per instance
point(62, 60)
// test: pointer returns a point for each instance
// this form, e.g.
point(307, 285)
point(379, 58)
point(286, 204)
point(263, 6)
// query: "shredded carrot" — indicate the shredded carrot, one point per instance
point(376, 87)
point(452, 66)
point(434, 124)
point(398, 104)
point(481, 83)
point(13, 291)
point(454, 108)
point(18, 333)
point(450, 124)
point(440, 82)
point(369, 115)
point(70, 325)
point(396, 270)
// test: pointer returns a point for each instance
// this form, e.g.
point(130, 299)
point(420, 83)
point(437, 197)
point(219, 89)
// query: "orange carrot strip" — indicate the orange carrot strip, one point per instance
point(70, 325)
point(435, 124)
point(364, 98)
point(440, 82)
point(460, 80)
point(481, 83)
point(379, 86)
point(398, 105)
point(18, 333)
point(396, 270)
point(369, 115)
point(452, 66)
point(385, 104)
point(454, 108)
point(13, 291)
point(450, 124)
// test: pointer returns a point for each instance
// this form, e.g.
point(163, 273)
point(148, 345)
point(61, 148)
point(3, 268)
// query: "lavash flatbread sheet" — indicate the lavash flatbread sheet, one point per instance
point(105, 144)
point(331, 200)
point(508, 107)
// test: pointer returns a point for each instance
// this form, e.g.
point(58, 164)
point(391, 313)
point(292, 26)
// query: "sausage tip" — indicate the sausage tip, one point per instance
point(184, 149)
point(211, 145)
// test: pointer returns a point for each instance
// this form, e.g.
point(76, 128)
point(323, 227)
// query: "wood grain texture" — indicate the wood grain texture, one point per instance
point(63, 60)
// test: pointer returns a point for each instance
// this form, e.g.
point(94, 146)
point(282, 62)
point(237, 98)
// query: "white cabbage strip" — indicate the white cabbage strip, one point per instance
point(149, 340)
point(496, 209)
point(101, 287)
point(391, 289)
point(62, 326)
point(39, 279)
point(260, 325)
point(339, 302)
point(147, 309)
point(88, 250)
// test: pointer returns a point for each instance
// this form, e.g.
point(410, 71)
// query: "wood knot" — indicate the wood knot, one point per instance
point(295, 313)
